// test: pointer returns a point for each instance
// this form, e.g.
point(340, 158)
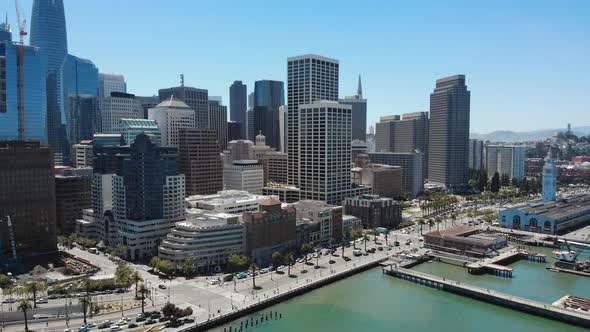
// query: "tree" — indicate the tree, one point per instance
point(188, 267)
point(305, 250)
point(514, 182)
point(34, 287)
point(166, 266)
point(357, 233)
point(483, 180)
point(143, 291)
point(24, 306)
point(119, 251)
point(505, 180)
point(317, 256)
point(343, 243)
point(495, 185)
point(5, 282)
point(254, 268)
point(376, 235)
point(473, 183)
point(290, 259)
point(168, 309)
point(123, 274)
point(154, 263)
point(277, 259)
point(135, 278)
point(365, 238)
point(86, 302)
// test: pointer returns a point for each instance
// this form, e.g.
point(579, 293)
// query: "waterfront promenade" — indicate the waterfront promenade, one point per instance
point(491, 296)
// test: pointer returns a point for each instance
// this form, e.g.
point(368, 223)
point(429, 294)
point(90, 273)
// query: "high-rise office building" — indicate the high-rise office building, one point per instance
point(234, 131)
point(130, 128)
point(245, 175)
point(147, 102)
point(310, 78)
point(374, 211)
point(406, 134)
point(359, 113)
point(324, 151)
point(411, 164)
point(196, 99)
point(218, 121)
point(82, 154)
point(116, 107)
point(250, 131)
point(27, 196)
point(81, 86)
point(448, 147)
point(48, 32)
point(269, 96)
point(5, 31)
point(34, 85)
point(476, 154)
point(73, 194)
point(171, 115)
point(507, 160)
point(111, 83)
point(199, 161)
point(238, 104)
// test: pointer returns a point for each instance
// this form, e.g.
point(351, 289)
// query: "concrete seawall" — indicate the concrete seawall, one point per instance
point(281, 297)
point(493, 297)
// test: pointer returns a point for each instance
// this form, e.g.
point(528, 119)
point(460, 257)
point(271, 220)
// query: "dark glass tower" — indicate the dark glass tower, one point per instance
point(81, 98)
point(48, 32)
point(237, 104)
point(268, 97)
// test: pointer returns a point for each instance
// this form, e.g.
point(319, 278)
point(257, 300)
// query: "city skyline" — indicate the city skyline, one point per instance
point(496, 47)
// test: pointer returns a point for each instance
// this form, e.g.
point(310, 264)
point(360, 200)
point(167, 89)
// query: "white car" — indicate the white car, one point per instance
point(280, 267)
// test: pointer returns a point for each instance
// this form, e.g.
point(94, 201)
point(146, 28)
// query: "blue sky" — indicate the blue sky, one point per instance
point(527, 62)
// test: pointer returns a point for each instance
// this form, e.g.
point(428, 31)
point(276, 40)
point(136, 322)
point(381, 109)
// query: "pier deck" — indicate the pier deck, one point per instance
point(493, 297)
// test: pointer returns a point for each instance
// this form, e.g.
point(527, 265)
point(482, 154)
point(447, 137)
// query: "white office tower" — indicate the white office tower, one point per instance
point(171, 115)
point(245, 175)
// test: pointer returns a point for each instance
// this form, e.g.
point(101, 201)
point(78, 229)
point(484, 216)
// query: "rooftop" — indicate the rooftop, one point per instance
point(557, 209)
point(173, 102)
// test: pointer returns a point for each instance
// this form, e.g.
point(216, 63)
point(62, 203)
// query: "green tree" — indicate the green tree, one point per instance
point(5, 282)
point(290, 258)
point(86, 302)
point(24, 306)
point(154, 263)
point(277, 259)
point(34, 287)
point(253, 268)
point(505, 180)
point(188, 267)
point(118, 251)
point(473, 184)
point(495, 185)
point(305, 250)
point(317, 256)
point(143, 290)
point(123, 274)
point(234, 261)
point(376, 235)
point(136, 279)
point(343, 243)
point(356, 234)
point(365, 239)
point(166, 266)
point(483, 180)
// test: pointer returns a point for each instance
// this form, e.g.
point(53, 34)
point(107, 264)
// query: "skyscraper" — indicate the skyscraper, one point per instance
point(310, 78)
point(269, 96)
point(218, 122)
point(507, 160)
point(27, 195)
point(238, 104)
point(549, 179)
point(476, 156)
point(359, 113)
point(196, 99)
point(171, 115)
point(48, 32)
point(116, 107)
point(199, 160)
point(34, 85)
point(448, 148)
point(81, 99)
point(324, 151)
point(111, 83)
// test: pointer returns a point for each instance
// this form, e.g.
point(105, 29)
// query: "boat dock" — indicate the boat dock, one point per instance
point(579, 318)
point(574, 303)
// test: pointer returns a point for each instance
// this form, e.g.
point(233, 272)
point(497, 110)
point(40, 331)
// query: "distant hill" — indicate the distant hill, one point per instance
point(535, 135)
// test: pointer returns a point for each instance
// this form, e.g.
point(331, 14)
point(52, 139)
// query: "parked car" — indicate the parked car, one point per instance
point(161, 286)
point(132, 326)
point(150, 322)
point(41, 301)
point(116, 328)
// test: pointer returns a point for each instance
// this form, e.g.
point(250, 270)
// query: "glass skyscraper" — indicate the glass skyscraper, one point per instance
point(80, 98)
point(48, 32)
point(268, 97)
point(34, 93)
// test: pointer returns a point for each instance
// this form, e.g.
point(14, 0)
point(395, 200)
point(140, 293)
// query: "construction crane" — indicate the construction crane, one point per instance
point(20, 61)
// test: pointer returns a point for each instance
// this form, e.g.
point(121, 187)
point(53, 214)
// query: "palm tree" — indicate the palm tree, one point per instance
point(305, 249)
point(87, 285)
point(33, 288)
point(365, 238)
point(143, 291)
point(85, 301)
point(253, 268)
point(357, 233)
point(290, 258)
point(136, 278)
point(386, 233)
point(317, 256)
point(24, 306)
point(343, 244)
point(376, 235)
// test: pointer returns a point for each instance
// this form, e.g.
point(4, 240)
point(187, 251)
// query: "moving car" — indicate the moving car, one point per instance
point(161, 286)
point(357, 252)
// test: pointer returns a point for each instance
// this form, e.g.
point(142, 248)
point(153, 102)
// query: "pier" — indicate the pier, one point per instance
point(494, 265)
point(486, 295)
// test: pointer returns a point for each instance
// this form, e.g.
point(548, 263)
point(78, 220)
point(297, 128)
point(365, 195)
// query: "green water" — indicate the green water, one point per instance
point(371, 301)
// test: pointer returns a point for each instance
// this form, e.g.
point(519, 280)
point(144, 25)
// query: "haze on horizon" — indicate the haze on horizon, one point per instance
point(526, 63)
